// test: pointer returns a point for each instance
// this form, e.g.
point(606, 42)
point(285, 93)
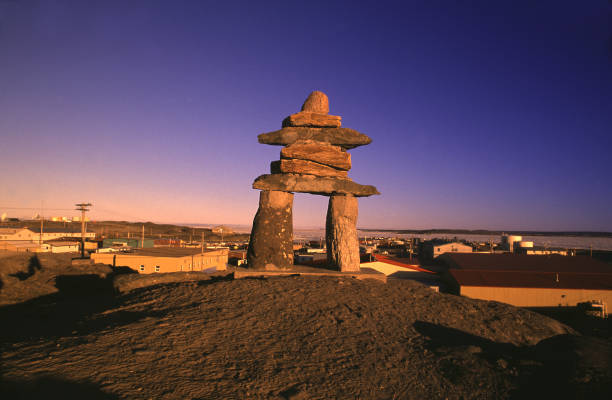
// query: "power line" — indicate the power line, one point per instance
point(34, 208)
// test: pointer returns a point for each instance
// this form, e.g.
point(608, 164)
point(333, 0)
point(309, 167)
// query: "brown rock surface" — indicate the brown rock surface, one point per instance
point(305, 118)
point(316, 102)
point(294, 337)
point(294, 166)
point(271, 244)
point(341, 233)
point(344, 137)
point(319, 152)
point(312, 184)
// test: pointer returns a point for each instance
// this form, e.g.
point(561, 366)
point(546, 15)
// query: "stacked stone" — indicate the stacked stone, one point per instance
point(314, 160)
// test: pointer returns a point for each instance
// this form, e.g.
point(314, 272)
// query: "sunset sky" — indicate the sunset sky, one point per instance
point(483, 114)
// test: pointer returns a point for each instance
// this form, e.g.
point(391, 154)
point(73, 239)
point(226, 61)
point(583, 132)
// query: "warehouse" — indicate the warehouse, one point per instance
point(146, 261)
point(528, 281)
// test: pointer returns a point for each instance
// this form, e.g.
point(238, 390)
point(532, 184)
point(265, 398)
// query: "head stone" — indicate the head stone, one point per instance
point(317, 102)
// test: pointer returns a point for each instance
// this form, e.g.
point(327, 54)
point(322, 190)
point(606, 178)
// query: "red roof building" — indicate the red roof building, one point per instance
point(529, 281)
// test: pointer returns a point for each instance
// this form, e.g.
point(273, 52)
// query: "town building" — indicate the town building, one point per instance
point(18, 234)
point(528, 280)
point(20, 246)
point(237, 257)
point(123, 243)
point(32, 235)
point(156, 260)
point(434, 248)
point(401, 269)
point(61, 246)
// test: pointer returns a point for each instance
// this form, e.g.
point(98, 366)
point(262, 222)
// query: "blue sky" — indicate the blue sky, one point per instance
point(483, 114)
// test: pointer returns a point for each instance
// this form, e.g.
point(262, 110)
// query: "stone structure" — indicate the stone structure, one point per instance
point(314, 160)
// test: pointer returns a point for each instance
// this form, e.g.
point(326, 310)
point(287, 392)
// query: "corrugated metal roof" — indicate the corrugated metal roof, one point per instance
point(511, 270)
point(526, 263)
point(533, 279)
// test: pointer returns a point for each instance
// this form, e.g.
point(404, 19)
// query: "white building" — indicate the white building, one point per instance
point(30, 235)
point(433, 250)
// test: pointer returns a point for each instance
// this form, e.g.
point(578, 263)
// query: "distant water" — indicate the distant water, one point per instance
point(565, 242)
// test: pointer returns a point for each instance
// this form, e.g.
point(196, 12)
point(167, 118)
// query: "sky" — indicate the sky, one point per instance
point(491, 115)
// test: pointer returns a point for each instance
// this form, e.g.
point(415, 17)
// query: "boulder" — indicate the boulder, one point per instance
point(341, 233)
point(316, 102)
point(294, 166)
point(319, 152)
point(305, 118)
point(271, 244)
point(312, 184)
point(343, 137)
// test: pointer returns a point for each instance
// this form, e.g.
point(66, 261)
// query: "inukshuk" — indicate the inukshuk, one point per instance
point(314, 160)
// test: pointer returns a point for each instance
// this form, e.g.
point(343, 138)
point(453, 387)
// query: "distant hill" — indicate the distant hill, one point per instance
point(134, 229)
point(492, 233)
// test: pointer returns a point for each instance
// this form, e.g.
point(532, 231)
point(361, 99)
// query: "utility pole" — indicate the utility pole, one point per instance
point(202, 245)
point(142, 243)
point(41, 223)
point(82, 207)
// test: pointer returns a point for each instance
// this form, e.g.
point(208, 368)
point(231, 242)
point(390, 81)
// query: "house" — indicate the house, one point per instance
point(33, 235)
point(171, 259)
point(62, 246)
point(528, 280)
point(400, 268)
point(311, 258)
point(20, 246)
point(128, 243)
point(237, 257)
point(18, 234)
point(434, 248)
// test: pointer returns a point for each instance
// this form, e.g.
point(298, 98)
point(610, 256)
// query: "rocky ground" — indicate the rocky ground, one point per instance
point(291, 337)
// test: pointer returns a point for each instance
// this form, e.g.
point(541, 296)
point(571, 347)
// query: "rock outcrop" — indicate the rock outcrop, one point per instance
point(314, 160)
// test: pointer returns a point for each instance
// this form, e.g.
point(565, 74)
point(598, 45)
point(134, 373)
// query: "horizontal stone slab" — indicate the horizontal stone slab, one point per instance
point(343, 137)
point(312, 184)
point(294, 166)
point(319, 152)
point(305, 118)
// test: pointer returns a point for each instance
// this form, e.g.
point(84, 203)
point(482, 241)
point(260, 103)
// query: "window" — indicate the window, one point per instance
point(157, 268)
point(141, 268)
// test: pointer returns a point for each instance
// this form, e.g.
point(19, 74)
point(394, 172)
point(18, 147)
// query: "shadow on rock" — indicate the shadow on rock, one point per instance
point(441, 338)
point(51, 388)
point(78, 308)
point(574, 367)
point(33, 266)
point(562, 366)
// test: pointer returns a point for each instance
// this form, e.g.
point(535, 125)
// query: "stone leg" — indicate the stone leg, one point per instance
point(271, 244)
point(341, 233)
